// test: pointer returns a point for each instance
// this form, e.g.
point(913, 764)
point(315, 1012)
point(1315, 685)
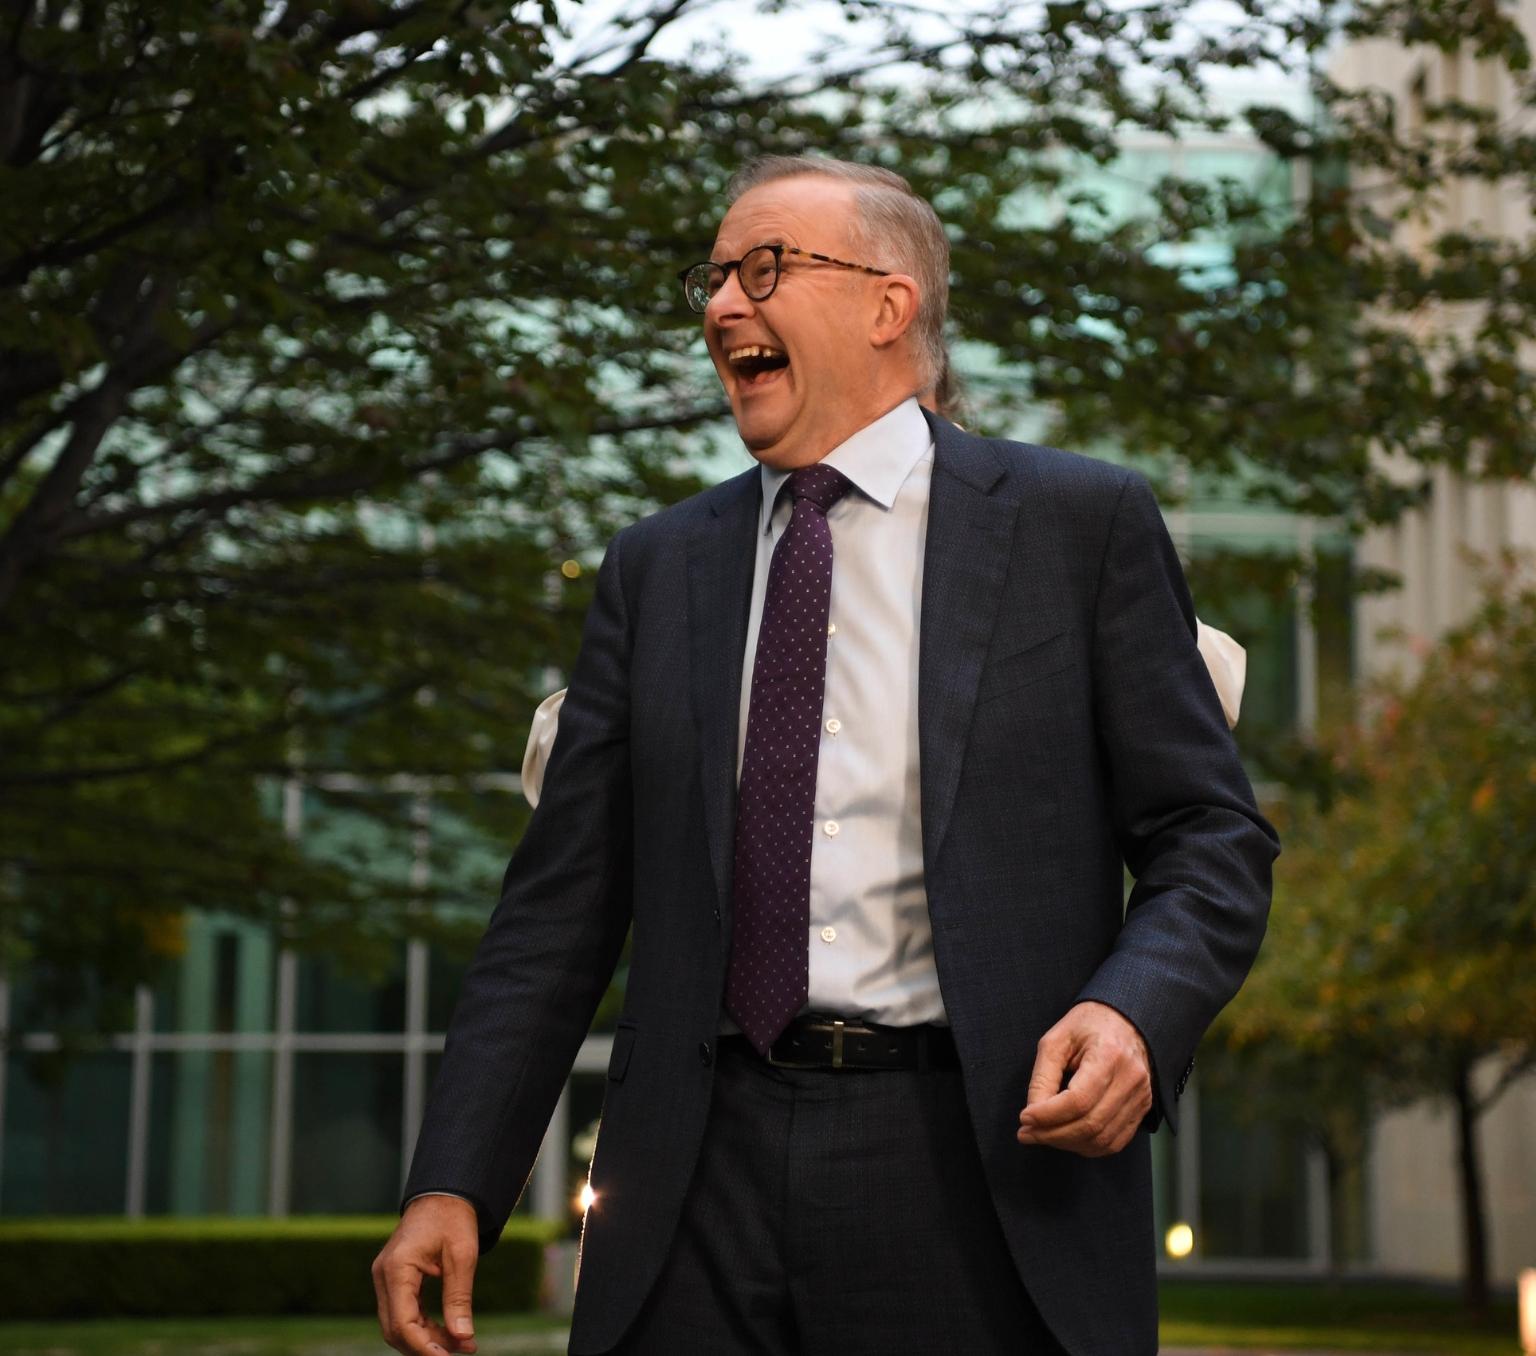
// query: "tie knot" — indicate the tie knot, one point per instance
point(823, 485)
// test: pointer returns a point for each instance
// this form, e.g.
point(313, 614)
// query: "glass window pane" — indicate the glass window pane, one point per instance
point(224, 979)
point(66, 1135)
point(445, 972)
point(471, 835)
point(1253, 1185)
point(331, 998)
point(347, 1112)
point(209, 1132)
point(69, 999)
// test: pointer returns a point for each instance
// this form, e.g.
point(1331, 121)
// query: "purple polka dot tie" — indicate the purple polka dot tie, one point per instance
point(766, 981)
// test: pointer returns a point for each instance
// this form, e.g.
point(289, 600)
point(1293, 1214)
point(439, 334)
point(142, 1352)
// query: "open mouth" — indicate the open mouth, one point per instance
point(757, 365)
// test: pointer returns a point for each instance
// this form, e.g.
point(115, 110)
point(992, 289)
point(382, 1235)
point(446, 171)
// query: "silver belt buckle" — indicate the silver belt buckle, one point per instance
point(837, 1044)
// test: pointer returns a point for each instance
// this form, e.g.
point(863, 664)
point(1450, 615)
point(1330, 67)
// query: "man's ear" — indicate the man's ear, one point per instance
point(897, 309)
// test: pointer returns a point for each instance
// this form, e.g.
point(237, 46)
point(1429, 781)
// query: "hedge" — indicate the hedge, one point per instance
point(184, 1267)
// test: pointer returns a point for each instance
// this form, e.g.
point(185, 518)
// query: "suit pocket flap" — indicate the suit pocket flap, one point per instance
point(1037, 659)
point(618, 1061)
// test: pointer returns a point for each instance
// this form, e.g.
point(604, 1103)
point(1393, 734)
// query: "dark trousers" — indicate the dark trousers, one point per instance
point(837, 1213)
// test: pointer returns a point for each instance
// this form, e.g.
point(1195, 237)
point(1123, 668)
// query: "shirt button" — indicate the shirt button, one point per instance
point(831, 628)
point(830, 828)
point(829, 934)
point(834, 725)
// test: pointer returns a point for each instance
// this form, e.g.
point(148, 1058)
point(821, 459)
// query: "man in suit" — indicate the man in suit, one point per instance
point(859, 743)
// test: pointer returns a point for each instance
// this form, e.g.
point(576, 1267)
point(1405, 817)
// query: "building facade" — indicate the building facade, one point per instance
point(1435, 552)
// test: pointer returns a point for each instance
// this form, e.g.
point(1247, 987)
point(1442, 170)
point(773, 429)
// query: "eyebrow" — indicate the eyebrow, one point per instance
point(771, 240)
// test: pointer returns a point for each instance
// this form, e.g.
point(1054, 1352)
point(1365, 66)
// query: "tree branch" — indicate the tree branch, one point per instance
point(1516, 1069)
point(279, 490)
point(145, 357)
point(280, 725)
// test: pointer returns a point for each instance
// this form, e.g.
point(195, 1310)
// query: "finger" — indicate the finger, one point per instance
point(381, 1296)
point(458, 1284)
point(408, 1328)
point(426, 1338)
point(1104, 1128)
point(1055, 1113)
point(1115, 1137)
point(1136, 1108)
point(1089, 1086)
point(1080, 1134)
point(1051, 1057)
point(1071, 1119)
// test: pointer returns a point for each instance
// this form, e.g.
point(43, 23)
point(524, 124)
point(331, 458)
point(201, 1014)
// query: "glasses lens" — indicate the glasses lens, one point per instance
point(702, 282)
point(759, 272)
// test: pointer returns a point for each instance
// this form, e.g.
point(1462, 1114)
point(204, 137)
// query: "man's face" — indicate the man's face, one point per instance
point(818, 318)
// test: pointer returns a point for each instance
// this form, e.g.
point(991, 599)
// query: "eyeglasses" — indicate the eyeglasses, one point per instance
point(758, 269)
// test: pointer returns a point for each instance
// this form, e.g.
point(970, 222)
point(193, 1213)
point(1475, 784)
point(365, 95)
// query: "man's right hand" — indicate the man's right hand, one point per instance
point(437, 1236)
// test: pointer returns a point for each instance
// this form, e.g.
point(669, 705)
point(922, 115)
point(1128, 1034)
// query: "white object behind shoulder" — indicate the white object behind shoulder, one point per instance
point(1224, 657)
point(541, 739)
point(1228, 663)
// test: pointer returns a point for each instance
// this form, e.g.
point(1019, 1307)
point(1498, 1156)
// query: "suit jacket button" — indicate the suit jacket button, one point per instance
point(706, 1055)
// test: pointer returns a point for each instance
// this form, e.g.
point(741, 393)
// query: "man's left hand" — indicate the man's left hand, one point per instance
point(1109, 1089)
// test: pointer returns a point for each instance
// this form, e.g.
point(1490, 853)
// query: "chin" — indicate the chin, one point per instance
point(761, 435)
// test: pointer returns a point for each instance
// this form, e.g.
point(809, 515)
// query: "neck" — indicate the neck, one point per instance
point(790, 455)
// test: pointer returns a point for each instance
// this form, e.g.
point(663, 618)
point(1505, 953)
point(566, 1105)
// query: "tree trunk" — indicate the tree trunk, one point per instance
point(1336, 1239)
point(1474, 1224)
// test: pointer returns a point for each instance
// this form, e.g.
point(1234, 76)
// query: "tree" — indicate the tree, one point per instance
point(1404, 921)
point(331, 331)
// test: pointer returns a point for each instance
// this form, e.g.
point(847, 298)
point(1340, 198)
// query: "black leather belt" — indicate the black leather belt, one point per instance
point(816, 1042)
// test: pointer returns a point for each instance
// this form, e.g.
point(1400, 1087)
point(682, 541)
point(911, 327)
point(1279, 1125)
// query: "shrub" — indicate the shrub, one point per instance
point(115, 1267)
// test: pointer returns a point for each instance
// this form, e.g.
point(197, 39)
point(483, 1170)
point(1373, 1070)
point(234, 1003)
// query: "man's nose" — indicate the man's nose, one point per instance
point(730, 303)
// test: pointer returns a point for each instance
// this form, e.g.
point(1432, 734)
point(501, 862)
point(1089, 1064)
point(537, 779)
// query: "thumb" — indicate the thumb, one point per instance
point(458, 1282)
point(1050, 1064)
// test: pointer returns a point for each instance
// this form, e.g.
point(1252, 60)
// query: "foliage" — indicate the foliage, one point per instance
point(1398, 956)
point(330, 331)
point(76, 1268)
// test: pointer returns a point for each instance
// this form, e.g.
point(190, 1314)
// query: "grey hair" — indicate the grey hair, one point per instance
point(893, 228)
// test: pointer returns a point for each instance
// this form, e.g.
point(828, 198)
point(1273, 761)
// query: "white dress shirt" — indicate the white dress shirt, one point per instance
point(869, 941)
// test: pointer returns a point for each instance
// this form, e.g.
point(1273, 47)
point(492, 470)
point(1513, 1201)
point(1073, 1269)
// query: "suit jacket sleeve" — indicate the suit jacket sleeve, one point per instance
point(551, 946)
point(1182, 806)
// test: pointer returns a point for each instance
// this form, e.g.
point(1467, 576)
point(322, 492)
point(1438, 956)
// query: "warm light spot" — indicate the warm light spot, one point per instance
point(571, 569)
point(585, 1197)
point(1180, 1241)
point(1528, 1311)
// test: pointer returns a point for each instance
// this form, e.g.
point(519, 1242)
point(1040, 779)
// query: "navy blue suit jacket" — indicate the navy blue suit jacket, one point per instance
point(1068, 728)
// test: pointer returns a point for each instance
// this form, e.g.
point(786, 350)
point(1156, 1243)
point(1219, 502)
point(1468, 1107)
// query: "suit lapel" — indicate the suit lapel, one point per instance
point(965, 561)
point(721, 559)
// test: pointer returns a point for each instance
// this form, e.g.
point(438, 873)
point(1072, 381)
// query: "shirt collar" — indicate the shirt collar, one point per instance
point(877, 459)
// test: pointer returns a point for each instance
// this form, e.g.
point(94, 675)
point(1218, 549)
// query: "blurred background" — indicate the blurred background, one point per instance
point(337, 339)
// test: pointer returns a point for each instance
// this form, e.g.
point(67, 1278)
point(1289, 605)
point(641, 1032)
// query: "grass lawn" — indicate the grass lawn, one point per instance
point(1347, 1317)
point(1261, 1317)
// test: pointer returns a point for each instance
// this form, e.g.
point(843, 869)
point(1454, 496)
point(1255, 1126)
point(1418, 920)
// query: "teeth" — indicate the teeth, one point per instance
point(737, 355)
